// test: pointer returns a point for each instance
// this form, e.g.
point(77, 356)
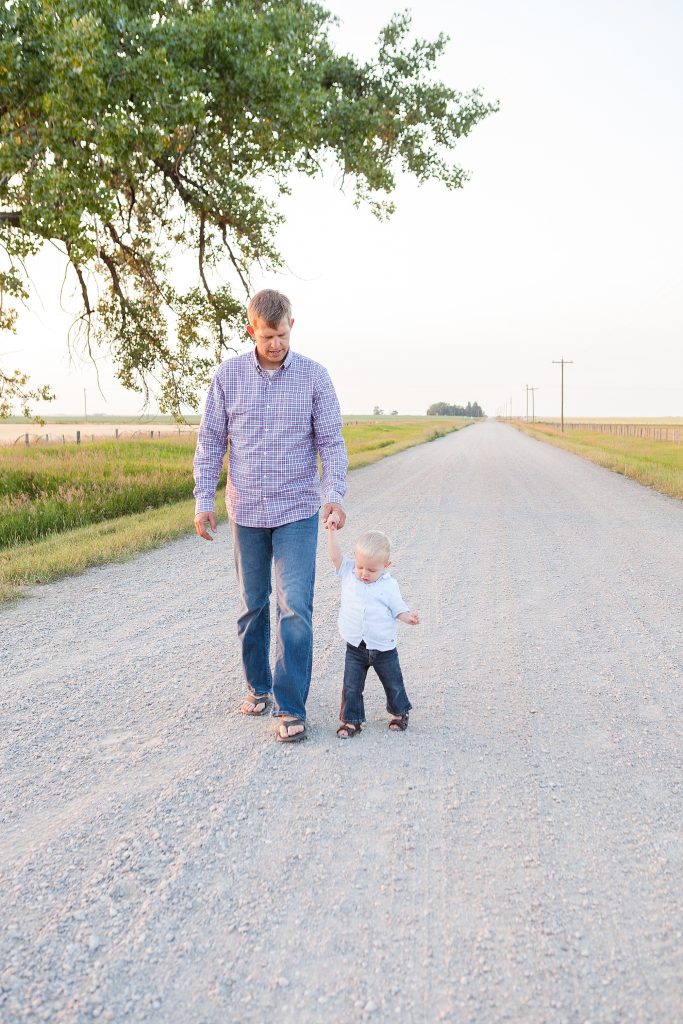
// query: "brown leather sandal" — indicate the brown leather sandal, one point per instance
point(350, 729)
point(254, 699)
point(399, 724)
point(288, 723)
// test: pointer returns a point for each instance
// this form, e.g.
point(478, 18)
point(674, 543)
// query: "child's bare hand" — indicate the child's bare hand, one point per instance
point(332, 511)
point(332, 521)
point(411, 618)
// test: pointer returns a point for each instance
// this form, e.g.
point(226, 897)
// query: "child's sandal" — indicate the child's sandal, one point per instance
point(399, 724)
point(349, 729)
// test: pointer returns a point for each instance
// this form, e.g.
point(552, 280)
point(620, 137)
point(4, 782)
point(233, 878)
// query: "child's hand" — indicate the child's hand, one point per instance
point(332, 511)
point(411, 618)
point(332, 521)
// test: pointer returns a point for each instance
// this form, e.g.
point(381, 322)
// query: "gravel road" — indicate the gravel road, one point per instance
point(516, 855)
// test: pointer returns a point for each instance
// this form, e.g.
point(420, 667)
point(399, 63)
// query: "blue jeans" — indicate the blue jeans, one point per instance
point(386, 665)
point(291, 549)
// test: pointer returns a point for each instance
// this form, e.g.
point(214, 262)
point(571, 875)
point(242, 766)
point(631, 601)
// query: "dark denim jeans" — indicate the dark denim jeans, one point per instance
point(291, 549)
point(387, 666)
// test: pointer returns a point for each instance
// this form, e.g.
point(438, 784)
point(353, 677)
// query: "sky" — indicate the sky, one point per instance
point(566, 242)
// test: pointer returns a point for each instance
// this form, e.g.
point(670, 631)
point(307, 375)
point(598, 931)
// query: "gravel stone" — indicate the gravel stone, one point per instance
point(514, 855)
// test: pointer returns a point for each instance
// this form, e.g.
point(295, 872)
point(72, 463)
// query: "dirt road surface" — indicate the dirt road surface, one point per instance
point(514, 856)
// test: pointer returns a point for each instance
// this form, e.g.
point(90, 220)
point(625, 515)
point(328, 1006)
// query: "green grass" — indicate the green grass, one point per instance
point(64, 508)
point(369, 441)
point(64, 554)
point(656, 464)
point(48, 490)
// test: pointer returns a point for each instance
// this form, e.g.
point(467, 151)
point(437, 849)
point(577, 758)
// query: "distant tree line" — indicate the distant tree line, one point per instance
point(444, 409)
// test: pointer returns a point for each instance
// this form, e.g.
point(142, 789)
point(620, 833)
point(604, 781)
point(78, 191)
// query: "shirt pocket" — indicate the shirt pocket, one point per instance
point(293, 414)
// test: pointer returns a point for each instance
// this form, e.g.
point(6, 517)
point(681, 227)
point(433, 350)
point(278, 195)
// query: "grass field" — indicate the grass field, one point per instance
point(48, 490)
point(141, 421)
point(657, 464)
point(64, 508)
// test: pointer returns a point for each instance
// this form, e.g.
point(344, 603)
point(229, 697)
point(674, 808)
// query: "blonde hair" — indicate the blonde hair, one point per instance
point(375, 544)
point(270, 306)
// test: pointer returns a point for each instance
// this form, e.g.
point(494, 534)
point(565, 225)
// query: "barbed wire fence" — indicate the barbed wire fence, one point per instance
point(28, 439)
point(648, 431)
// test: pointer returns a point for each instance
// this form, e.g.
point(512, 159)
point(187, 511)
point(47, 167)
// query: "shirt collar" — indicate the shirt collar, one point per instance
point(287, 362)
point(385, 576)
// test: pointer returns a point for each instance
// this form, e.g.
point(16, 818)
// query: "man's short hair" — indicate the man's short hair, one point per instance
point(269, 306)
point(375, 544)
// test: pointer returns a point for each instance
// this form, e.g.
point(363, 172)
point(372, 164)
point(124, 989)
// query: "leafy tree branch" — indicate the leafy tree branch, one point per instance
point(137, 131)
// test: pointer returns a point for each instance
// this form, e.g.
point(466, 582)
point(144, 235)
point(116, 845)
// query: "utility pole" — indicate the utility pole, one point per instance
point(562, 363)
point(527, 402)
point(533, 406)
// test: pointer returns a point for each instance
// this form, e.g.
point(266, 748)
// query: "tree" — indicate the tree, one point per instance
point(134, 130)
point(14, 384)
point(471, 410)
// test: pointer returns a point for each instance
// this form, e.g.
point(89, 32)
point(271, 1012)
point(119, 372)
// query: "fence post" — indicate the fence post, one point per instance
point(78, 437)
point(116, 433)
point(26, 440)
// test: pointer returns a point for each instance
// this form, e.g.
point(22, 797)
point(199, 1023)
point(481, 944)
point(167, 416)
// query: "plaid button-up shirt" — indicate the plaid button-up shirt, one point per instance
point(276, 425)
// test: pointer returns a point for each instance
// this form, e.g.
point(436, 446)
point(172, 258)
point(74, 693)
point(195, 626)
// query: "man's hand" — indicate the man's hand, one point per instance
point(203, 520)
point(411, 618)
point(331, 508)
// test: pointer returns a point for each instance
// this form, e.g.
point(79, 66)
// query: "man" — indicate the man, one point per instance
point(279, 411)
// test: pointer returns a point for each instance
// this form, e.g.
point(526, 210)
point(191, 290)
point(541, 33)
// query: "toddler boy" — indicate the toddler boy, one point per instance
point(371, 603)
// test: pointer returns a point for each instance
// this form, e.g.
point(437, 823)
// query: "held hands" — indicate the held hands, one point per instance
point(203, 520)
point(334, 516)
point(411, 618)
point(333, 522)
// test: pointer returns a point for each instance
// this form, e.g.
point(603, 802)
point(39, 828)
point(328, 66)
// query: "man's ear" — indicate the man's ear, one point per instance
point(250, 330)
point(291, 323)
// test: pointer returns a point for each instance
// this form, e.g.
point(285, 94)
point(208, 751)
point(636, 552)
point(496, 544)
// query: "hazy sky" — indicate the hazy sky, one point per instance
point(566, 241)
